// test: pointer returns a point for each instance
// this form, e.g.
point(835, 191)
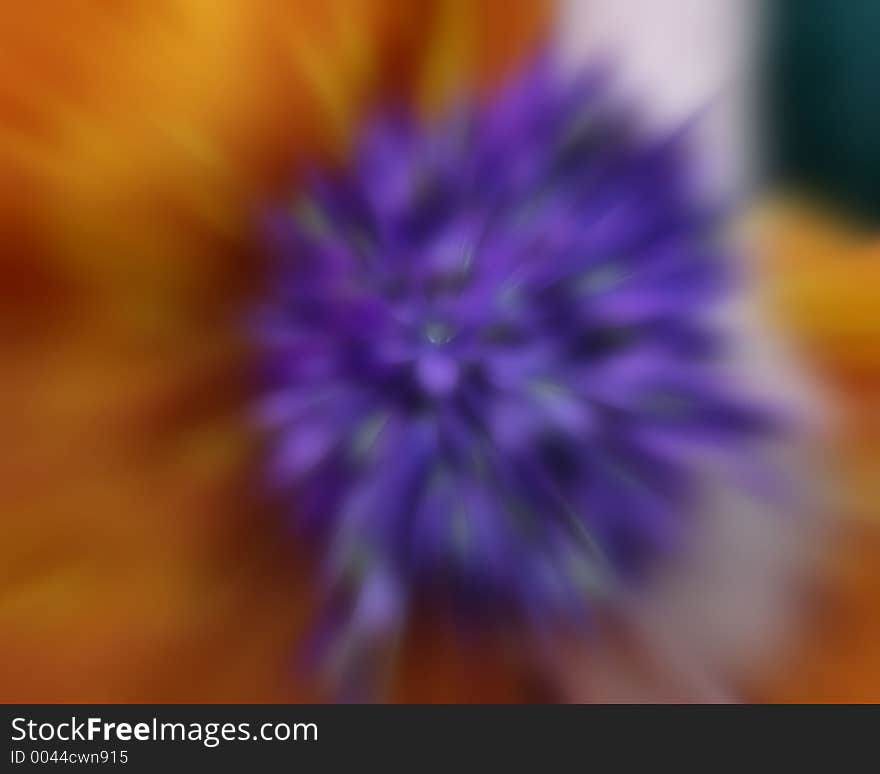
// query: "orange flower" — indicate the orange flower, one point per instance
point(135, 139)
point(822, 276)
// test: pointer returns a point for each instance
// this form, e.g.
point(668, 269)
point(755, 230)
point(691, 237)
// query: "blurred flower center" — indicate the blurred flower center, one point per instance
point(490, 358)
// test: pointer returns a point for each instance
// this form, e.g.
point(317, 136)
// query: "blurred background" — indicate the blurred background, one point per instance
point(138, 561)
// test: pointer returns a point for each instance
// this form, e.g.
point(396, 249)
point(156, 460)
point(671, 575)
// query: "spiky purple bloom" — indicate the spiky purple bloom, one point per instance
point(489, 356)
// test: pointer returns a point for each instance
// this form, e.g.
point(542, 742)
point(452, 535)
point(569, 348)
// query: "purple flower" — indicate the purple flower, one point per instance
point(488, 362)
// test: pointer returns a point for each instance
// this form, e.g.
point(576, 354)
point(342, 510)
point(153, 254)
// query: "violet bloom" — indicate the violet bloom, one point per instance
point(489, 362)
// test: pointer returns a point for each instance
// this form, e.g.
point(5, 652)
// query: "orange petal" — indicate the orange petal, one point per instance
point(139, 561)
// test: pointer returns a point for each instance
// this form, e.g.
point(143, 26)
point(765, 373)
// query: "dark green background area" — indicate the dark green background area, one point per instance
point(822, 100)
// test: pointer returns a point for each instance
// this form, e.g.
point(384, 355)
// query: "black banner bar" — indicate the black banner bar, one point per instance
point(135, 738)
